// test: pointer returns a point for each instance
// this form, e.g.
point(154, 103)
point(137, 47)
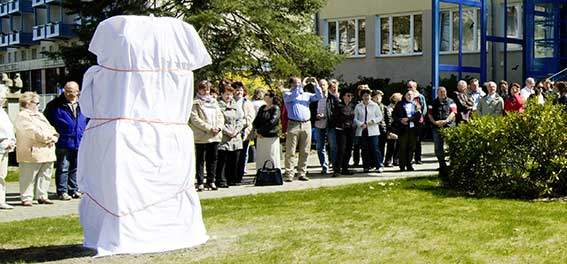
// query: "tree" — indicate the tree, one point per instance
point(75, 53)
point(268, 38)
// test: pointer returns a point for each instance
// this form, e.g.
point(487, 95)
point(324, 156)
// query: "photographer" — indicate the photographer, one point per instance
point(299, 126)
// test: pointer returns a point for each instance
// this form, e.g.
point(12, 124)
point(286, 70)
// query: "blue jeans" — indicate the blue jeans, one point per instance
point(66, 171)
point(323, 135)
point(370, 152)
point(439, 151)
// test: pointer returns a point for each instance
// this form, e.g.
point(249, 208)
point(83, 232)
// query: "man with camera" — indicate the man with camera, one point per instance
point(299, 126)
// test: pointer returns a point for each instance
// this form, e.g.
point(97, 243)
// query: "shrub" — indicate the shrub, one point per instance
point(518, 155)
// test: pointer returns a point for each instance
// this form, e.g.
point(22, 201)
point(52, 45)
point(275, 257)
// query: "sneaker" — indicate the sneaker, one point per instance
point(303, 178)
point(324, 172)
point(410, 168)
point(380, 170)
point(288, 180)
point(5, 206)
point(44, 201)
point(419, 162)
point(77, 195)
point(64, 197)
point(27, 203)
point(388, 165)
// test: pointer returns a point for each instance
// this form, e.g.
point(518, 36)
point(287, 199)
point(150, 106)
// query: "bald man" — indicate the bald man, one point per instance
point(65, 115)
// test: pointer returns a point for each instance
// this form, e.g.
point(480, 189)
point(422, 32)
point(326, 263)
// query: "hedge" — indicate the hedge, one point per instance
point(520, 155)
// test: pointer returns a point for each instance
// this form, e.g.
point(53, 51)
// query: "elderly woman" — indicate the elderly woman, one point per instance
point(231, 144)
point(367, 117)
point(7, 144)
point(207, 122)
point(35, 152)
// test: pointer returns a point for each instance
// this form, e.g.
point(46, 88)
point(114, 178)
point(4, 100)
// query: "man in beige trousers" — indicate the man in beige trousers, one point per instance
point(299, 126)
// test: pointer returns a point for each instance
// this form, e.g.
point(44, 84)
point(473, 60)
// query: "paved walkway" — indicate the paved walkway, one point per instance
point(317, 180)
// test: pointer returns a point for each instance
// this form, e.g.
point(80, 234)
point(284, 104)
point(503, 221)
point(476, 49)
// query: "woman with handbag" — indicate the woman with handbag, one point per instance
point(266, 125)
point(367, 116)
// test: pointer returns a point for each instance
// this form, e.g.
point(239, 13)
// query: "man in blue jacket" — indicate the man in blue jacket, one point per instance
point(65, 115)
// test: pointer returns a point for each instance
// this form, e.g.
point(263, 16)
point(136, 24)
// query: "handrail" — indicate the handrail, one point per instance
point(550, 78)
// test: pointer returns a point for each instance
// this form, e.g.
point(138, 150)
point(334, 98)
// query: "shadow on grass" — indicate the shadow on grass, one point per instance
point(431, 184)
point(43, 254)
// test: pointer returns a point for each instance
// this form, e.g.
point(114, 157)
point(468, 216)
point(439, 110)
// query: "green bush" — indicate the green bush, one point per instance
point(518, 155)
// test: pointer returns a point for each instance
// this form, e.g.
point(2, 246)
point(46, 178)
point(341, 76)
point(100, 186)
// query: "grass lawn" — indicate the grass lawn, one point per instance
point(13, 176)
point(405, 221)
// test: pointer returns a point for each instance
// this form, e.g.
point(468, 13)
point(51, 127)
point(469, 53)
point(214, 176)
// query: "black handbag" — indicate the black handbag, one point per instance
point(268, 176)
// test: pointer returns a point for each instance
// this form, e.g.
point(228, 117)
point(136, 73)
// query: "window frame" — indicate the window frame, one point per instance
point(476, 37)
point(378, 35)
point(337, 34)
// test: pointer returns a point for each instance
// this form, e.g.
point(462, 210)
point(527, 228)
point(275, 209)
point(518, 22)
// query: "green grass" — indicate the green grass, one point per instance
point(13, 176)
point(405, 221)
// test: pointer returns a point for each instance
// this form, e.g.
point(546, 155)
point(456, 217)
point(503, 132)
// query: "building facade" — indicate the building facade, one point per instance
point(394, 39)
point(29, 28)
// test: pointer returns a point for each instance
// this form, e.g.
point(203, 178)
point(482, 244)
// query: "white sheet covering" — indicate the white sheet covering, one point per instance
point(138, 177)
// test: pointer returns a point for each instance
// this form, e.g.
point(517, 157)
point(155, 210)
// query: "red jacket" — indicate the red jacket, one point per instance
point(514, 103)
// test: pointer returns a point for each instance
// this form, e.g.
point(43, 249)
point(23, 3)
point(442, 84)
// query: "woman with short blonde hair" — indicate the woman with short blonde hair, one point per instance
point(35, 150)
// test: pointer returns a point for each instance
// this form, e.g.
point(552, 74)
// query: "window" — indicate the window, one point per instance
point(24, 55)
point(33, 54)
point(450, 30)
point(347, 36)
point(514, 21)
point(400, 35)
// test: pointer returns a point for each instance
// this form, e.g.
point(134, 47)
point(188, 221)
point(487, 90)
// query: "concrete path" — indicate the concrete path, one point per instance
point(317, 181)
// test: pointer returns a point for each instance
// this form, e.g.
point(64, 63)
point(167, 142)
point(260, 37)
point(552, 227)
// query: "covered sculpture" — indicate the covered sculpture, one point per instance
point(135, 163)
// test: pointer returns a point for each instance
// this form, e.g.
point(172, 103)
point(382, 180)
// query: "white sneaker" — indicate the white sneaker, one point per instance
point(5, 206)
point(380, 170)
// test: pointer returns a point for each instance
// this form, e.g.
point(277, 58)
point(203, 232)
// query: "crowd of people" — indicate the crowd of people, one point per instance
point(345, 125)
point(40, 141)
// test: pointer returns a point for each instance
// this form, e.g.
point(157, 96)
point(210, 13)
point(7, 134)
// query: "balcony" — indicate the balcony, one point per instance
point(38, 32)
point(20, 6)
point(4, 40)
point(4, 9)
point(38, 3)
point(53, 2)
point(21, 39)
point(59, 31)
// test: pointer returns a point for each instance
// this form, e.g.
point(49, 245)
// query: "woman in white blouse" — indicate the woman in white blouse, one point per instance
point(367, 116)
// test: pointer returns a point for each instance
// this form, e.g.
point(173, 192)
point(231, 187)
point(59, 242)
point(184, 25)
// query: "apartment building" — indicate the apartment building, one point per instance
point(28, 28)
point(396, 38)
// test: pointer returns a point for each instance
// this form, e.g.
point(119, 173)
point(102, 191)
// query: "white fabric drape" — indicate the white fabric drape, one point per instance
point(137, 172)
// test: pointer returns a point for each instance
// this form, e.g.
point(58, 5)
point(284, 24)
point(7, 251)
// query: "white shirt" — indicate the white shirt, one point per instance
point(526, 92)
